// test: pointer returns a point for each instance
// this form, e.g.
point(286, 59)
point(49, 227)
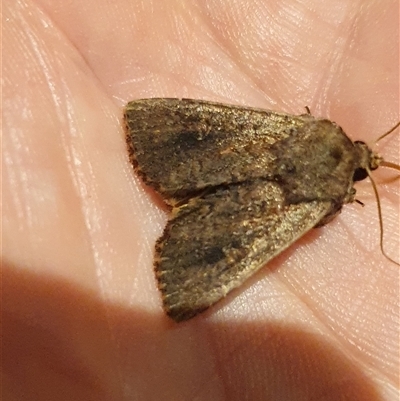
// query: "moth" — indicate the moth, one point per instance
point(242, 185)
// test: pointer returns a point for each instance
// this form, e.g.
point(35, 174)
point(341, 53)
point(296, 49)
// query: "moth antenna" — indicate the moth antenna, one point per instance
point(378, 202)
point(388, 132)
point(391, 165)
point(383, 162)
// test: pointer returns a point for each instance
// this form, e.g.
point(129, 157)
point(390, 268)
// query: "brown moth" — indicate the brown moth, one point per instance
point(243, 184)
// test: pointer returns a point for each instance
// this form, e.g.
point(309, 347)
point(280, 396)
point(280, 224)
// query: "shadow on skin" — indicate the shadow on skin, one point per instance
point(63, 342)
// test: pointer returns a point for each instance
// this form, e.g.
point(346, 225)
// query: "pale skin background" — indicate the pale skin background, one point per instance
point(82, 317)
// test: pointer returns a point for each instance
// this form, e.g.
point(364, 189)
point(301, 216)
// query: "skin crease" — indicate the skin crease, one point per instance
point(81, 314)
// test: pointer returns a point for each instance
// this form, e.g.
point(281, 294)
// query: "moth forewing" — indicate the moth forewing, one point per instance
point(216, 242)
point(180, 146)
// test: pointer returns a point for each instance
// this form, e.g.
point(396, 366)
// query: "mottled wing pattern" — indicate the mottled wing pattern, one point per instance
point(214, 243)
point(249, 183)
point(181, 145)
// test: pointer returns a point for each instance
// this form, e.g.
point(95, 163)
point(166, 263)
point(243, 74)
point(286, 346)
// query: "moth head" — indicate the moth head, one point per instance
point(369, 161)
